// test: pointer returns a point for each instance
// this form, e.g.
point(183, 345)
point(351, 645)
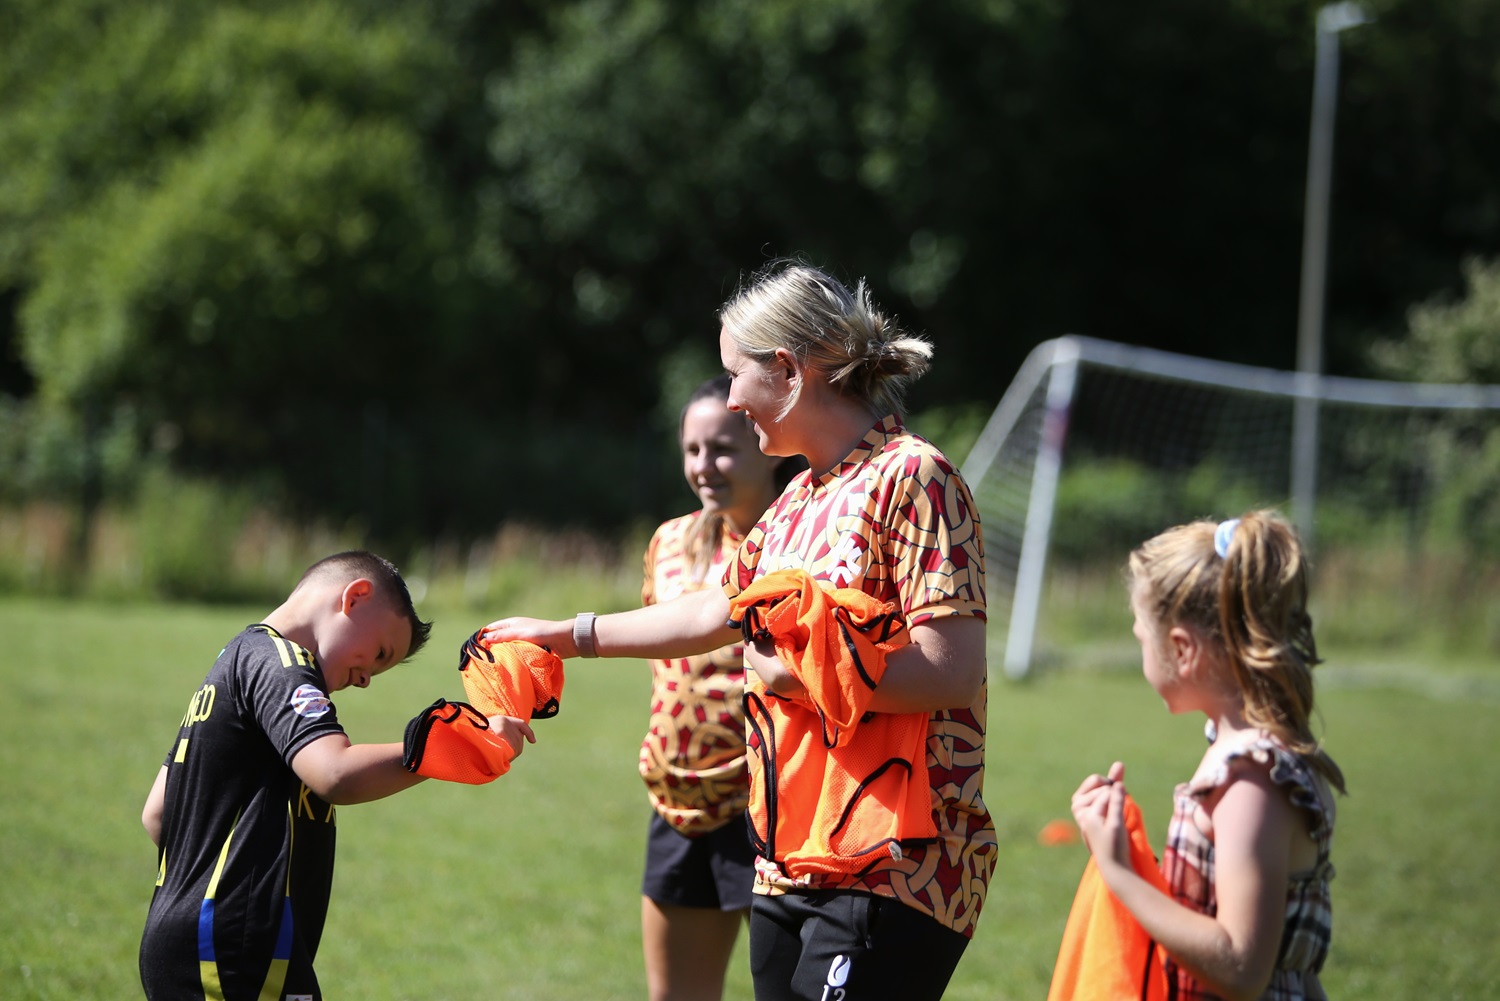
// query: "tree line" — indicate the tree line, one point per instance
point(435, 265)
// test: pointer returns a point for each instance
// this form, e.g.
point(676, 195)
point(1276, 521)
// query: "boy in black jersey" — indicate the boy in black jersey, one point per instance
point(242, 811)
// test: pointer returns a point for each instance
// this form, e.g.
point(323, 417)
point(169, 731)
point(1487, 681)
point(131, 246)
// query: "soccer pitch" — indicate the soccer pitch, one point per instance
point(528, 888)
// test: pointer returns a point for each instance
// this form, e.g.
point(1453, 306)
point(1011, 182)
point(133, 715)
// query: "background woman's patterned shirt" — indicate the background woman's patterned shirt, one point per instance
point(693, 755)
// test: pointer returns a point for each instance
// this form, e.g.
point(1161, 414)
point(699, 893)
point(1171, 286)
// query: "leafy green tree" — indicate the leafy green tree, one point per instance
point(237, 179)
point(1457, 340)
point(1451, 340)
point(1003, 173)
point(228, 215)
point(650, 153)
point(381, 254)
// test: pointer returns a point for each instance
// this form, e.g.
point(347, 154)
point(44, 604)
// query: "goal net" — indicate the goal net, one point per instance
point(1097, 446)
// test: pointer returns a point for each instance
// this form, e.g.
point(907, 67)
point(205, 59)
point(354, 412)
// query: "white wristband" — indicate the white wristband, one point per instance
point(583, 634)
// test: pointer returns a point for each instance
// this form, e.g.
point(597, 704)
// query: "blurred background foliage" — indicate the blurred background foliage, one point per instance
point(415, 271)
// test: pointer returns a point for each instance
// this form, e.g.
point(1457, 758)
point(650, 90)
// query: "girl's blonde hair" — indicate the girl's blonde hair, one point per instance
point(864, 354)
point(1252, 600)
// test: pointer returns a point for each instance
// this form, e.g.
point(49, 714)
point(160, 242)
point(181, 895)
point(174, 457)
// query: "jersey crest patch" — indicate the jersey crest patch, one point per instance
point(309, 702)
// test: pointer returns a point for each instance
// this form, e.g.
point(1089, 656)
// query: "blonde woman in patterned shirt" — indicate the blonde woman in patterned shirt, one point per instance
point(1221, 617)
point(695, 893)
point(820, 371)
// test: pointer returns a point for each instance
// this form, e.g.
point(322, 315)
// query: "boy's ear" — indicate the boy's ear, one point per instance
point(354, 592)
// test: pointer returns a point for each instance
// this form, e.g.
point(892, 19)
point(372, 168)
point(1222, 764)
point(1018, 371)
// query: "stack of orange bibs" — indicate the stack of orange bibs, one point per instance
point(453, 740)
point(833, 787)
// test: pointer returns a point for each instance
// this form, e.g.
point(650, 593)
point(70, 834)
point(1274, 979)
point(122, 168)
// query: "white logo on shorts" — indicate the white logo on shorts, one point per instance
point(299, 997)
point(309, 702)
point(838, 974)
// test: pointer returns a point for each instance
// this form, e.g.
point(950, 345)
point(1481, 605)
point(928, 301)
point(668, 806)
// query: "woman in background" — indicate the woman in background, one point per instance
point(699, 863)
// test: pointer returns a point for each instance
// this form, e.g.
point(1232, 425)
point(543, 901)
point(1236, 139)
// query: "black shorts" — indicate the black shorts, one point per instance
point(843, 945)
point(714, 870)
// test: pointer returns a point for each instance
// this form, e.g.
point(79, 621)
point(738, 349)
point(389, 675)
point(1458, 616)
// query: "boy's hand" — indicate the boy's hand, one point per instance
point(516, 732)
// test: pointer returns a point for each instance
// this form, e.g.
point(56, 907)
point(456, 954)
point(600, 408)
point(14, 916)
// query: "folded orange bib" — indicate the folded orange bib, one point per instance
point(513, 678)
point(452, 741)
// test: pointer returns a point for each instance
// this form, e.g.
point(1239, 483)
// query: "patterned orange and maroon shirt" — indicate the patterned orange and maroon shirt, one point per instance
point(896, 520)
point(693, 756)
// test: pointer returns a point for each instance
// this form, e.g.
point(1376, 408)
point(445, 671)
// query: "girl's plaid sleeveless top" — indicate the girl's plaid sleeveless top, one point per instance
point(1188, 865)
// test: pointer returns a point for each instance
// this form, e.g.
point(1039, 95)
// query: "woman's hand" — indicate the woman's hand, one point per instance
point(692, 624)
point(761, 658)
point(554, 634)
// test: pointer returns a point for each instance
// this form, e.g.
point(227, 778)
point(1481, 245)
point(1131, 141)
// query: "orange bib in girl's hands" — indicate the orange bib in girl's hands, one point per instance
point(1105, 954)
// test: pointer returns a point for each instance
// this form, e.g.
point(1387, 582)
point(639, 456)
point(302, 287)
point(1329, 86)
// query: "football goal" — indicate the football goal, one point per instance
point(1096, 446)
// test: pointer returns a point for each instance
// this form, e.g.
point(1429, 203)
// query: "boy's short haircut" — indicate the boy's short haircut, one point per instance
point(344, 567)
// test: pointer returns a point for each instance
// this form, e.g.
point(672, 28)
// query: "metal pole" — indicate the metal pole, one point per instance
point(1037, 535)
point(1332, 19)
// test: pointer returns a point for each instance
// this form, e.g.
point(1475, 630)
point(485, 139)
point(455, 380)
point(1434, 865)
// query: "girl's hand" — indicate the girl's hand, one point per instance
point(556, 636)
point(516, 732)
point(1099, 811)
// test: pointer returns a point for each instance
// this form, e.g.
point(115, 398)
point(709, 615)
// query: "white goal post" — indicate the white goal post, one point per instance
point(1210, 434)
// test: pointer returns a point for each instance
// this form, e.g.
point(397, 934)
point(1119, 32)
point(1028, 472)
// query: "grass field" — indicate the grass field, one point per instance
point(528, 888)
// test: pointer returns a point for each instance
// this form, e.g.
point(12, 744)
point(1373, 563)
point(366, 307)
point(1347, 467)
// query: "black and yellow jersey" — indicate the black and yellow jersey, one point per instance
point(246, 859)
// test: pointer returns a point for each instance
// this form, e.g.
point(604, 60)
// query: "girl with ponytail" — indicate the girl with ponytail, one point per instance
point(1221, 617)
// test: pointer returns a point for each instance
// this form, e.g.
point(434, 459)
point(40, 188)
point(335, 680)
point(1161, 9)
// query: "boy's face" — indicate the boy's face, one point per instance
point(364, 636)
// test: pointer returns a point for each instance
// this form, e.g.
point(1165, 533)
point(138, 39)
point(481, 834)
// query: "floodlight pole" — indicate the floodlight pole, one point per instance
point(1332, 19)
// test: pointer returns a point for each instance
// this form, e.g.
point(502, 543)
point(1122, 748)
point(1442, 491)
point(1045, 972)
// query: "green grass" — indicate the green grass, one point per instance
point(529, 888)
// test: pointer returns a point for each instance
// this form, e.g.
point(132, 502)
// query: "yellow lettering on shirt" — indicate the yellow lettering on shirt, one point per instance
point(304, 807)
point(304, 803)
point(200, 706)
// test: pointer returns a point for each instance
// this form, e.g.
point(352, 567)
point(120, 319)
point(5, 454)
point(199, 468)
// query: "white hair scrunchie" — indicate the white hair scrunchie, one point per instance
point(1223, 535)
